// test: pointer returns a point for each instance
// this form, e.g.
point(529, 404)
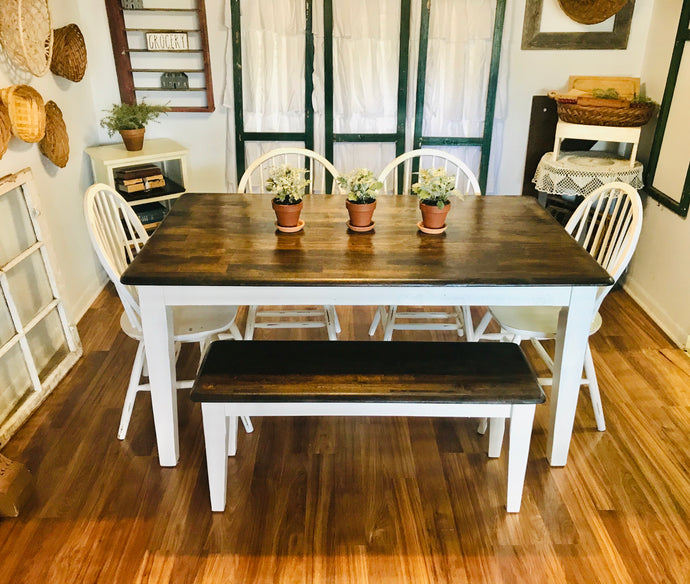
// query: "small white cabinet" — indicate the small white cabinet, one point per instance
point(167, 154)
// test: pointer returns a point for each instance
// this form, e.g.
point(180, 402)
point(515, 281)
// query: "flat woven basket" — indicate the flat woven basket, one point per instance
point(5, 128)
point(635, 115)
point(27, 35)
point(27, 112)
point(55, 144)
point(69, 53)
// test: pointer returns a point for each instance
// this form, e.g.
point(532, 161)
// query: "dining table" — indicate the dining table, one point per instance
point(224, 249)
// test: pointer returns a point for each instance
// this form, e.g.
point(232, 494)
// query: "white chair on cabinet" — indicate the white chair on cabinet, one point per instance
point(607, 224)
point(403, 168)
point(117, 236)
point(319, 171)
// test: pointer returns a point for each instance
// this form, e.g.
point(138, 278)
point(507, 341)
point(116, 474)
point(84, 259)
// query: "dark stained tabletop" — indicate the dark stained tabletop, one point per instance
point(224, 239)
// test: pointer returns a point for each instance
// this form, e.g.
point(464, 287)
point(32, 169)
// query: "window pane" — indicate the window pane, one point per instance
point(14, 381)
point(16, 230)
point(29, 287)
point(7, 329)
point(48, 344)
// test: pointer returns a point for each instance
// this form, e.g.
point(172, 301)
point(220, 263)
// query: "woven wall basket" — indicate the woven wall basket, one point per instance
point(27, 112)
point(5, 130)
point(27, 34)
point(69, 53)
point(55, 144)
point(635, 115)
point(591, 11)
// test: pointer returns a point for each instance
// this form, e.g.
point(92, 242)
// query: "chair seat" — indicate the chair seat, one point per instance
point(192, 323)
point(534, 321)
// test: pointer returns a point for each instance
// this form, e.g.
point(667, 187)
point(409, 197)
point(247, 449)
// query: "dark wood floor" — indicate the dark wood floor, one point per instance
point(357, 499)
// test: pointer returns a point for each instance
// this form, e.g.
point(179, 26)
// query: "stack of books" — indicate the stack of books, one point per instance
point(150, 214)
point(140, 178)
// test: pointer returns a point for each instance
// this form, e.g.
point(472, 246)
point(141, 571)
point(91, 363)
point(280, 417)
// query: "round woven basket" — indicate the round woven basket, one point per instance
point(635, 115)
point(5, 129)
point(55, 144)
point(69, 53)
point(591, 11)
point(27, 35)
point(27, 112)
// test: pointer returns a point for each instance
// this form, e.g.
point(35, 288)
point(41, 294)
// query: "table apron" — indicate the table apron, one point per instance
point(364, 295)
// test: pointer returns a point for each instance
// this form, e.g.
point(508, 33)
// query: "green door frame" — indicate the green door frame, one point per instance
point(398, 138)
point(241, 137)
point(484, 141)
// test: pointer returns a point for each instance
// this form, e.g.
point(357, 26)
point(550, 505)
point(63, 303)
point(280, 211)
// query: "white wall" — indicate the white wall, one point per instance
point(61, 190)
point(659, 278)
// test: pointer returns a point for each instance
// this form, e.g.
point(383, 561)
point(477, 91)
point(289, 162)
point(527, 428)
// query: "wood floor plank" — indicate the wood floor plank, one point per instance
point(357, 500)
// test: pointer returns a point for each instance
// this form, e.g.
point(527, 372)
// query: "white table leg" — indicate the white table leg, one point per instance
point(573, 333)
point(160, 355)
point(521, 420)
point(216, 440)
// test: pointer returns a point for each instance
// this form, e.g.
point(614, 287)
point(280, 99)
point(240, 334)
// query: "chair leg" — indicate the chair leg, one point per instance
point(247, 423)
point(332, 325)
point(336, 321)
point(481, 327)
point(390, 323)
point(251, 321)
point(379, 316)
point(497, 427)
point(483, 424)
point(468, 325)
point(132, 388)
point(595, 396)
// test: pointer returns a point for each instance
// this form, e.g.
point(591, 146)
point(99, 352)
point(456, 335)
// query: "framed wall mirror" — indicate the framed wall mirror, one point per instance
point(668, 169)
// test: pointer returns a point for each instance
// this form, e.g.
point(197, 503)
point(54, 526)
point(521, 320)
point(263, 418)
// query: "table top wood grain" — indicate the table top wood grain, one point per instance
point(220, 239)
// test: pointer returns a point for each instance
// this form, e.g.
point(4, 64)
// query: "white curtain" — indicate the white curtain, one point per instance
point(365, 75)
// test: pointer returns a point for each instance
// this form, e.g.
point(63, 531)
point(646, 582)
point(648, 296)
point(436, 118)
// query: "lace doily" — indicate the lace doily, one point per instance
point(579, 173)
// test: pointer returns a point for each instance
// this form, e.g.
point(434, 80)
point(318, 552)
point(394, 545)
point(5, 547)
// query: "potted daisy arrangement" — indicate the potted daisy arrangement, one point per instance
point(362, 188)
point(434, 189)
point(287, 184)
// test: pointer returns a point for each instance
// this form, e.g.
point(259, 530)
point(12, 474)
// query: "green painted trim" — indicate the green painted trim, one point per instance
point(366, 138)
point(682, 37)
point(237, 85)
point(308, 77)
point(450, 141)
point(403, 70)
point(274, 136)
point(421, 75)
point(328, 76)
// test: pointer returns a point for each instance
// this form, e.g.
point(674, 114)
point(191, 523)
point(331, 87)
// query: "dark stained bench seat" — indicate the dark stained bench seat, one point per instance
point(365, 378)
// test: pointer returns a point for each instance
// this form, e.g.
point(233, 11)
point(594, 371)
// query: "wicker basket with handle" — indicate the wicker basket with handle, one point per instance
point(55, 144)
point(69, 53)
point(635, 115)
point(5, 128)
point(27, 112)
point(27, 35)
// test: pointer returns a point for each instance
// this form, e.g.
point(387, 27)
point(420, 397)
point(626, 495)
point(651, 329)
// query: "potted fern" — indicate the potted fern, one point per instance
point(362, 187)
point(287, 184)
point(130, 121)
point(434, 189)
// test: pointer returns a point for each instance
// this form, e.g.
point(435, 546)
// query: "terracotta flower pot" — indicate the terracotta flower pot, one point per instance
point(133, 139)
point(287, 215)
point(360, 213)
point(432, 216)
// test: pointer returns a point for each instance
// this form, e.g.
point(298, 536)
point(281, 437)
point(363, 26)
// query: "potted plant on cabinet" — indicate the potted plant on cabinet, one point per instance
point(287, 185)
point(434, 189)
point(130, 120)
point(362, 188)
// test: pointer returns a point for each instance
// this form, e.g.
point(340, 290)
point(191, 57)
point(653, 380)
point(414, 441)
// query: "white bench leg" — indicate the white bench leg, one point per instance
point(521, 420)
point(216, 440)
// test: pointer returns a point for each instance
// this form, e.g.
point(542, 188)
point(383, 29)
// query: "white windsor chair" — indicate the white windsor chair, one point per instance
point(318, 169)
point(459, 319)
point(117, 236)
point(607, 224)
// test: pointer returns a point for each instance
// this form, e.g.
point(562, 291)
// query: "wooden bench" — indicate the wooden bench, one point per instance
point(353, 378)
